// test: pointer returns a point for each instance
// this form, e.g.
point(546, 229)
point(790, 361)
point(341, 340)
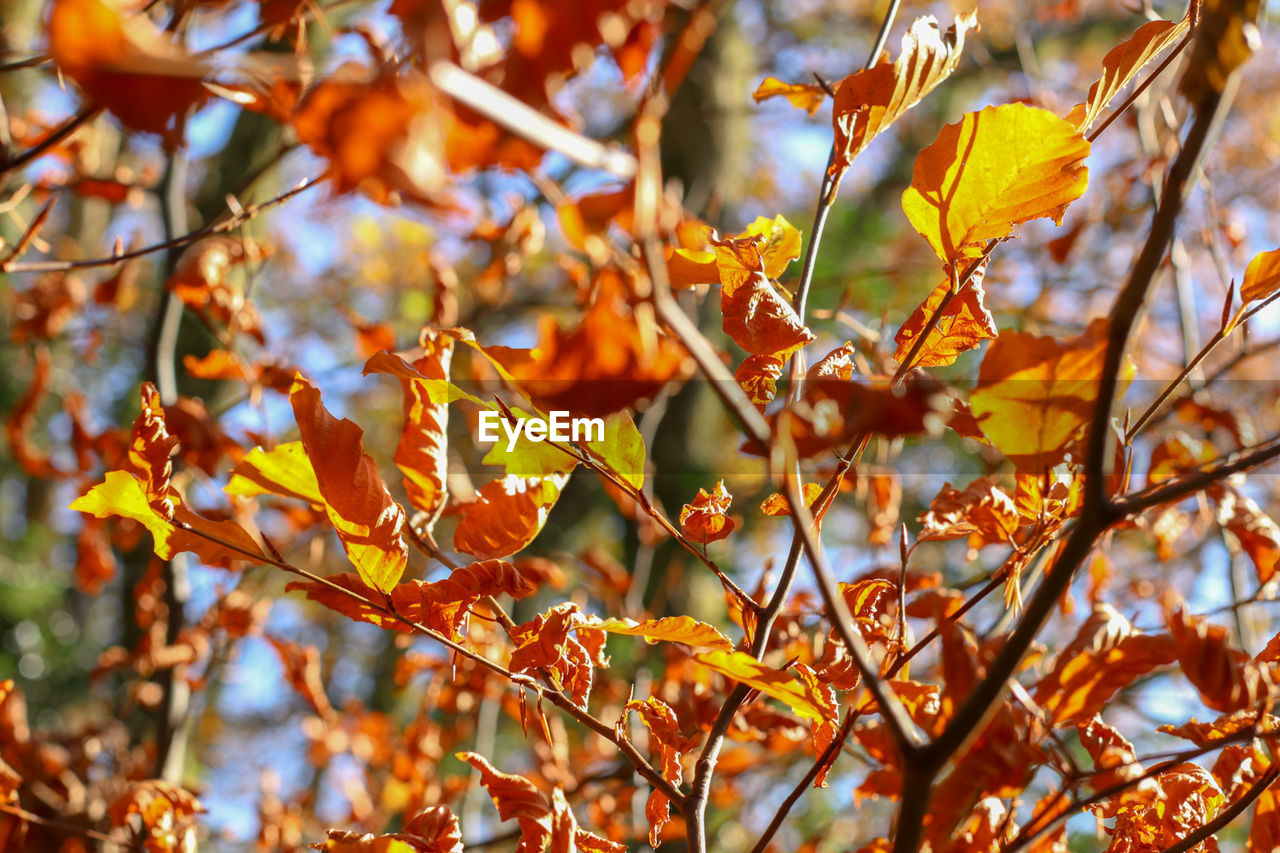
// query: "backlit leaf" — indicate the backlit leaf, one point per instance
point(1035, 395)
point(760, 321)
point(991, 171)
point(1261, 277)
point(622, 449)
point(506, 515)
point(1123, 62)
point(962, 325)
point(804, 699)
point(283, 470)
point(804, 96)
point(367, 520)
point(704, 519)
point(869, 101)
point(672, 629)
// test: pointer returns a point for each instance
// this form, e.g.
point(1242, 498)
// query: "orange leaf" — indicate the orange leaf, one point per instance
point(1035, 395)
point(760, 321)
point(615, 357)
point(837, 364)
point(1261, 277)
point(704, 519)
point(833, 412)
point(669, 743)
point(350, 606)
point(962, 325)
point(127, 65)
point(517, 799)
point(367, 520)
point(507, 514)
point(445, 604)
point(869, 101)
point(1258, 535)
point(758, 376)
point(1225, 677)
point(421, 453)
point(776, 504)
point(983, 511)
point(990, 171)
point(1123, 62)
point(804, 96)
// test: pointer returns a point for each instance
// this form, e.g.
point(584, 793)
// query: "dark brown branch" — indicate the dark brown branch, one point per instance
point(1189, 484)
point(1097, 513)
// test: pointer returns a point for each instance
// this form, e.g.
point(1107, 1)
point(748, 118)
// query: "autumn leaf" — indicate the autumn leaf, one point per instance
point(367, 520)
point(420, 454)
point(506, 515)
point(614, 358)
point(128, 65)
point(143, 492)
point(670, 744)
point(1106, 656)
point(217, 542)
point(705, 519)
point(837, 364)
point(868, 101)
point(961, 326)
point(622, 449)
point(364, 606)
point(385, 136)
point(444, 605)
point(804, 96)
point(991, 171)
point(1255, 531)
point(1035, 395)
point(760, 321)
point(776, 504)
point(833, 412)
point(166, 813)
point(1123, 62)
point(1261, 281)
point(1226, 678)
point(804, 699)
point(672, 629)
point(983, 512)
point(1226, 36)
point(283, 470)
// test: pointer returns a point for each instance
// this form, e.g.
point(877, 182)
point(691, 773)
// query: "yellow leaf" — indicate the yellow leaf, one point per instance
point(674, 629)
point(993, 170)
point(1261, 277)
point(121, 495)
point(284, 470)
point(1035, 394)
point(805, 96)
point(800, 697)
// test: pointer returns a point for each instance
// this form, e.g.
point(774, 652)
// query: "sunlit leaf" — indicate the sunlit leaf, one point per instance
point(1123, 62)
point(991, 171)
point(962, 325)
point(506, 515)
point(804, 96)
point(1035, 395)
point(367, 520)
point(800, 697)
point(705, 518)
point(869, 101)
point(671, 629)
point(283, 470)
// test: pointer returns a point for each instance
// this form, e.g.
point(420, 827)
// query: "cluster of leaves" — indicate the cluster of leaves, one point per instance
point(983, 721)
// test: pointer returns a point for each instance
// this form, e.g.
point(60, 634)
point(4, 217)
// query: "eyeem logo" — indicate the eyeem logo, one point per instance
point(558, 427)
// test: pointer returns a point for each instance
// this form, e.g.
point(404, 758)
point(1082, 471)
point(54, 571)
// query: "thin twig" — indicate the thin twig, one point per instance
point(231, 223)
point(55, 136)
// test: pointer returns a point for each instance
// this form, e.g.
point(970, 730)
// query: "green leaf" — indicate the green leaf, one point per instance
point(622, 449)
